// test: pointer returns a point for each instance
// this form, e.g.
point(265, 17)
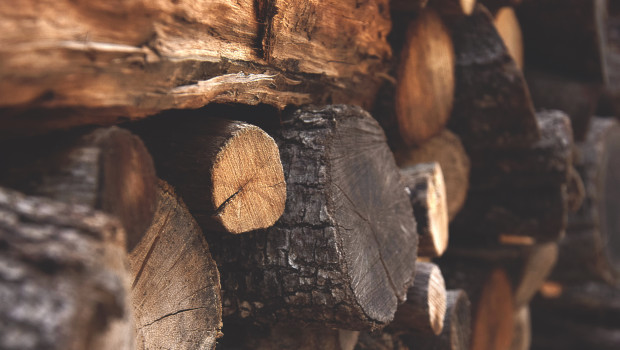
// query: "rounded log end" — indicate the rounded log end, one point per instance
point(493, 323)
point(507, 26)
point(425, 88)
point(438, 206)
point(249, 190)
point(468, 6)
point(436, 300)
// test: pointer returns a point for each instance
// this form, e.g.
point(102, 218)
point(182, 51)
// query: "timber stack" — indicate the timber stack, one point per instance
point(279, 174)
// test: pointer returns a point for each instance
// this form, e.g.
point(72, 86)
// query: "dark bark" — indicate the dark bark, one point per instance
point(343, 254)
point(63, 277)
point(176, 284)
point(107, 169)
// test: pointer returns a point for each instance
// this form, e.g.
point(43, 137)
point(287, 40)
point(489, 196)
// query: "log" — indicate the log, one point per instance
point(108, 169)
point(425, 79)
point(456, 333)
point(228, 172)
point(427, 193)
point(425, 308)
point(380, 341)
point(292, 337)
point(63, 277)
point(407, 5)
point(492, 106)
point(496, 6)
point(96, 67)
point(447, 150)
point(509, 30)
point(522, 334)
point(576, 191)
point(454, 8)
point(176, 285)
point(343, 254)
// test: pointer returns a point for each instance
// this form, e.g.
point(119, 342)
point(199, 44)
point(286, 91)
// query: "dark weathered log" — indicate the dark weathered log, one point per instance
point(427, 193)
point(522, 334)
point(228, 172)
point(184, 55)
point(107, 169)
point(380, 341)
point(293, 337)
point(509, 30)
point(176, 284)
point(456, 333)
point(343, 254)
point(63, 277)
point(575, 190)
point(577, 99)
point(492, 106)
point(425, 307)
point(447, 150)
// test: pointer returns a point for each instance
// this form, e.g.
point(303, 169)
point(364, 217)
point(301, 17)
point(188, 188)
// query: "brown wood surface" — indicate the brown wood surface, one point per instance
point(509, 30)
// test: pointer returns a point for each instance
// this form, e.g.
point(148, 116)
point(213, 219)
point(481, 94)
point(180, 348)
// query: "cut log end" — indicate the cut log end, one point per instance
point(493, 323)
point(249, 190)
point(509, 30)
point(425, 88)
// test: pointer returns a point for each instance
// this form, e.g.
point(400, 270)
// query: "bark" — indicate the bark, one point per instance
point(427, 193)
point(425, 307)
point(380, 341)
point(228, 172)
point(108, 169)
point(447, 150)
point(176, 284)
point(343, 254)
point(492, 106)
point(63, 277)
point(291, 337)
point(95, 66)
point(576, 191)
point(509, 30)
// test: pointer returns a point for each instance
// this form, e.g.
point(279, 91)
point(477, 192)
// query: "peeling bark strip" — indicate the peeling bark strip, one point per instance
point(176, 284)
point(63, 278)
point(492, 106)
point(343, 254)
point(228, 172)
point(184, 54)
point(108, 169)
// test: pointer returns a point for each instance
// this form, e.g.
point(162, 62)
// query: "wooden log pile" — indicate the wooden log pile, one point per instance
point(281, 174)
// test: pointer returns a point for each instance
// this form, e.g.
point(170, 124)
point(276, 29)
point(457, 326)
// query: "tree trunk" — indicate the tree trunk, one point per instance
point(107, 169)
point(63, 281)
point(228, 172)
point(176, 284)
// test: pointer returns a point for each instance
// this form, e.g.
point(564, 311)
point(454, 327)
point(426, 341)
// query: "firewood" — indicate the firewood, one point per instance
point(492, 106)
point(496, 6)
point(456, 333)
point(380, 341)
point(425, 79)
point(343, 254)
point(577, 99)
point(107, 169)
point(522, 334)
point(575, 190)
point(228, 173)
point(63, 280)
point(427, 193)
point(407, 5)
point(448, 151)
point(456, 8)
point(176, 285)
point(95, 66)
point(425, 307)
point(294, 337)
point(509, 30)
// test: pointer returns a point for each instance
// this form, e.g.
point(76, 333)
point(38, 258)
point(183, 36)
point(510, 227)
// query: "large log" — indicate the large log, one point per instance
point(95, 65)
point(492, 106)
point(176, 284)
point(107, 169)
point(63, 277)
point(228, 172)
point(343, 254)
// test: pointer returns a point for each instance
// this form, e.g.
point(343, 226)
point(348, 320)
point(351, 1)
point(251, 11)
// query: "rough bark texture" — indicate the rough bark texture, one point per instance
point(343, 254)
point(447, 150)
point(292, 337)
point(425, 307)
point(63, 277)
point(176, 284)
point(108, 169)
point(228, 172)
point(427, 193)
point(89, 57)
point(492, 106)
point(509, 30)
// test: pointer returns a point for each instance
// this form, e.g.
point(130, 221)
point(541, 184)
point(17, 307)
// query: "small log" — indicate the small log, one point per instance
point(343, 254)
point(492, 106)
point(108, 169)
point(407, 5)
point(425, 308)
point(425, 79)
point(522, 334)
point(456, 333)
point(427, 193)
point(380, 341)
point(63, 277)
point(509, 30)
point(292, 337)
point(496, 6)
point(227, 172)
point(454, 8)
point(576, 191)
point(176, 284)
point(447, 150)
